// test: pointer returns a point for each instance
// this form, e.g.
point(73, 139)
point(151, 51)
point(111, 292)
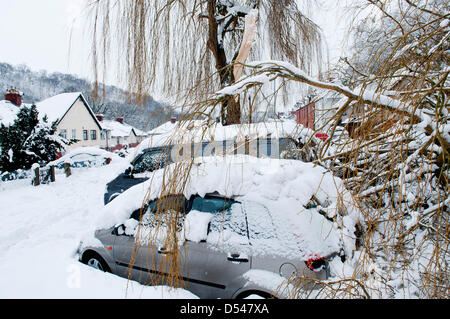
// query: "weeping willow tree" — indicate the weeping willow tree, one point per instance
point(188, 49)
point(395, 86)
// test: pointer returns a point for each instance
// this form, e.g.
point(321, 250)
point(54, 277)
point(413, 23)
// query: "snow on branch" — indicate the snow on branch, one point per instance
point(273, 69)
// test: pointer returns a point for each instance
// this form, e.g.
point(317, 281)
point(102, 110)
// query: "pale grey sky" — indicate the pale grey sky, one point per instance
point(38, 32)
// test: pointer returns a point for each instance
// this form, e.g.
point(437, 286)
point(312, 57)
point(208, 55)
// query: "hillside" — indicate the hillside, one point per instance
point(40, 85)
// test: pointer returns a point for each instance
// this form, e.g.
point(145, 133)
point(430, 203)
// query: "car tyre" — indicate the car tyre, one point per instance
point(95, 261)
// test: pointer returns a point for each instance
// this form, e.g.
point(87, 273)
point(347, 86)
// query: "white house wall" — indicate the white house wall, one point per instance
point(115, 140)
point(79, 119)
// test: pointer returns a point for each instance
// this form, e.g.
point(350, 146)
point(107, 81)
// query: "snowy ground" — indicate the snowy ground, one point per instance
point(40, 228)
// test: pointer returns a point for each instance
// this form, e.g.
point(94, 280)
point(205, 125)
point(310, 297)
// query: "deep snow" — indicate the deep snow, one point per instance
point(40, 230)
point(41, 227)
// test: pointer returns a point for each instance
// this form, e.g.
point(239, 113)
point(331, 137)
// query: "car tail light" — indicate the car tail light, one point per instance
point(316, 263)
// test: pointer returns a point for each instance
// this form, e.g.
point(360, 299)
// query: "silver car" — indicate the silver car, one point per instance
point(230, 241)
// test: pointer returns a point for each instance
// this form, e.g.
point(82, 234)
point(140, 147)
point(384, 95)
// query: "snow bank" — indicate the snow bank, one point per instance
point(41, 229)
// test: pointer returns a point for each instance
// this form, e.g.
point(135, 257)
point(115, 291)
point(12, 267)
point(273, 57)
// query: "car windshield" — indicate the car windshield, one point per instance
point(212, 204)
point(150, 161)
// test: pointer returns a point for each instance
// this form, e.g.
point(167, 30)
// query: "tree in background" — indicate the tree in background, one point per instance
point(28, 141)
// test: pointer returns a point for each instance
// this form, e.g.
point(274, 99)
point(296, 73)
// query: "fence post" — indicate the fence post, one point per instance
point(36, 179)
point(52, 173)
point(67, 169)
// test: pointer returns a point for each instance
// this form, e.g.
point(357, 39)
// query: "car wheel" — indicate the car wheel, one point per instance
point(95, 261)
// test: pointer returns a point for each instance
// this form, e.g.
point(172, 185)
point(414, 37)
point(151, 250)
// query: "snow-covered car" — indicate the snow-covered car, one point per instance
point(145, 161)
point(152, 158)
point(84, 157)
point(242, 229)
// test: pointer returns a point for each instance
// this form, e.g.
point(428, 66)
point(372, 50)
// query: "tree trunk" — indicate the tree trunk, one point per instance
point(231, 109)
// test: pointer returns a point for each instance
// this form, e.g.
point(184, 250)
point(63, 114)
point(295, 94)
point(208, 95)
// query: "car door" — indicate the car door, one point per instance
point(211, 266)
point(140, 251)
point(124, 253)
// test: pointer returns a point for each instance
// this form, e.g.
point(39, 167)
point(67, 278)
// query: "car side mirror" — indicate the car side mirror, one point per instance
point(129, 171)
point(119, 230)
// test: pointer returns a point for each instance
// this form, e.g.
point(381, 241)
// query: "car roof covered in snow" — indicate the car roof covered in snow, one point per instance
point(91, 150)
point(285, 187)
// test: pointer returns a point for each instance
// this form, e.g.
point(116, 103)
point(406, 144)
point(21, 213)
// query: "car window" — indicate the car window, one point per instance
point(259, 220)
point(227, 214)
point(150, 161)
point(162, 211)
point(228, 227)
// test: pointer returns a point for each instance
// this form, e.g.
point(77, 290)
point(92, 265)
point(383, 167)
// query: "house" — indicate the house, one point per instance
point(116, 134)
point(315, 113)
point(74, 117)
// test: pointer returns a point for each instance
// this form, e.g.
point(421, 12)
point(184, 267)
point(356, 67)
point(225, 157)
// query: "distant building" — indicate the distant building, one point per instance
point(14, 96)
point(75, 118)
point(116, 134)
point(10, 106)
point(317, 111)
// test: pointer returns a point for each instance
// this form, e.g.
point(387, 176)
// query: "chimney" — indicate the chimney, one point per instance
point(14, 97)
point(99, 117)
point(173, 120)
point(119, 119)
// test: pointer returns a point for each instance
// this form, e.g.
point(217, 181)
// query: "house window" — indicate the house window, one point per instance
point(93, 134)
point(85, 135)
point(118, 140)
point(74, 133)
point(125, 138)
point(102, 135)
point(63, 133)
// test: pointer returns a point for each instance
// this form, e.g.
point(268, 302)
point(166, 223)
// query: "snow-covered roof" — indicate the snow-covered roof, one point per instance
point(57, 106)
point(117, 128)
point(138, 132)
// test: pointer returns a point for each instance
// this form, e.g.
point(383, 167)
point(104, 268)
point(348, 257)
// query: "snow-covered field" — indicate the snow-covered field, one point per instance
point(40, 229)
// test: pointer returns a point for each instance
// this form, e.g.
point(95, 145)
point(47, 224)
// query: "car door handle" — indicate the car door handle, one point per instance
point(237, 258)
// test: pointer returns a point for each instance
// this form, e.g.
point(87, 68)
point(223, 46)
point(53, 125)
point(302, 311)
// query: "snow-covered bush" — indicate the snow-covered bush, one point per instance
point(28, 141)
